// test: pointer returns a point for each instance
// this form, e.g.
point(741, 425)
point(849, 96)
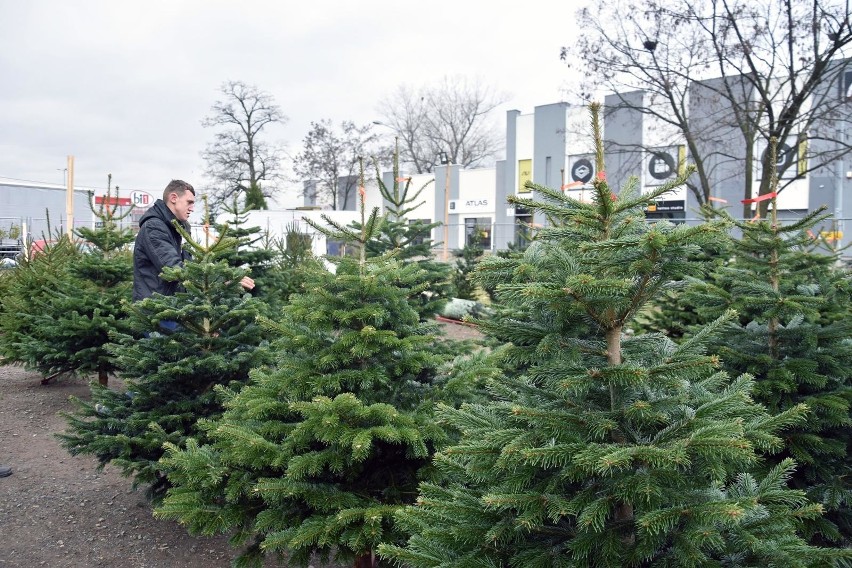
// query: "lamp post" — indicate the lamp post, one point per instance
point(445, 161)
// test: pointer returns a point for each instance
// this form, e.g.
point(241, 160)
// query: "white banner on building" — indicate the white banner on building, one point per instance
point(467, 206)
point(794, 195)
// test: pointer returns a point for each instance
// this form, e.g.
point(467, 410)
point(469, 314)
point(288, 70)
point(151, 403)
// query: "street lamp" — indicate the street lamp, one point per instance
point(445, 161)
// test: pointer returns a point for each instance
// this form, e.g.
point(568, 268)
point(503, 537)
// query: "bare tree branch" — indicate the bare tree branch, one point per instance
point(771, 65)
point(331, 159)
point(238, 159)
point(453, 117)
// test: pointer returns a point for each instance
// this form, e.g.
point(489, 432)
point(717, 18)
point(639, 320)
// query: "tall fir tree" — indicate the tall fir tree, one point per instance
point(670, 313)
point(319, 451)
point(610, 449)
point(412, 240)
point(169, 370)
point(69, 326)
point(793, 335)
point(26, 288)
point(248, 250)
point(292, 264)
point(251, 252)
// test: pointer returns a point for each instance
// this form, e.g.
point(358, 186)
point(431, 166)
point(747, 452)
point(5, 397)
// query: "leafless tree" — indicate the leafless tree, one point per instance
point(774, 67)
point(452, 118)
point(239, 160)
point(330, 158)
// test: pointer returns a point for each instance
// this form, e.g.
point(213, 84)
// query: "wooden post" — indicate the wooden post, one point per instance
point(69, 197)
point(447, 212)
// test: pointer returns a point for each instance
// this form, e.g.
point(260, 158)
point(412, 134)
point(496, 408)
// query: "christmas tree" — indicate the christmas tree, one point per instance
point(412, 241)
point(670, 313)
point(610, 449)
point(170, 371)
point(71, 325)
point(793, 335)
point(252, 251)
point(26, 288)
point(319, 451)
point(293, 261)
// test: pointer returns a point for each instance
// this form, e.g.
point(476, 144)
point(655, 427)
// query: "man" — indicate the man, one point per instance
point(158, 243)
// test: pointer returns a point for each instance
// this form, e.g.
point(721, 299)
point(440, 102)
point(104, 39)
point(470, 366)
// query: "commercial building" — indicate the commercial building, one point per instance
point(552, 147)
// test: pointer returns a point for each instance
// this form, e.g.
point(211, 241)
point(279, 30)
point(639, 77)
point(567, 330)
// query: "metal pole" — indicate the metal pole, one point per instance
point(838, 202)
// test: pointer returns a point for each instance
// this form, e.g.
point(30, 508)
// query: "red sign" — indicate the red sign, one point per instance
point(121, 201)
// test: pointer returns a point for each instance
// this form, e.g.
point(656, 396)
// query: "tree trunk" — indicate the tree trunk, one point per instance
point(623, 511)
point(367, 560)
point(103, 377)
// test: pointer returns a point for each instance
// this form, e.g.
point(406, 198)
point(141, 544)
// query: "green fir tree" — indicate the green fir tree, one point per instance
point(249, 250)
point(412, 240)
point(292, 264)
point(252, 252)
point(178, 348)
point(610, 450)
point(255, 198)
point(26, 288)
point(794, 335)
point(319, 451)
point(69, 327)
point(670, 313)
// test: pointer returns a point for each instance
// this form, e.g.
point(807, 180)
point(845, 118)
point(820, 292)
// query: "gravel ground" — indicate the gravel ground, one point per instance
point(57, 510)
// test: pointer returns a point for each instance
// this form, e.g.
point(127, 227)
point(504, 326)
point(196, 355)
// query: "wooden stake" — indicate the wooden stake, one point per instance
point(69, 197)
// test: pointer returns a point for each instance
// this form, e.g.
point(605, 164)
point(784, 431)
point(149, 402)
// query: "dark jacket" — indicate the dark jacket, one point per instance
point(158, 244)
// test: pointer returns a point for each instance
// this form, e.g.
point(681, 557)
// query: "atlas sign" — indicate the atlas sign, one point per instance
point(460, 206)
point(141, 199)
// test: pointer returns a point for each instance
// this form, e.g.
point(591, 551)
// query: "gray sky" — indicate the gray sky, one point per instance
point(123, 86)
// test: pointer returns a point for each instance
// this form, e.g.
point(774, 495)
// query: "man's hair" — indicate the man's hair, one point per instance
point(179, 187)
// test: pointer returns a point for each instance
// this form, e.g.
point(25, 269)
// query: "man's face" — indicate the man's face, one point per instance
point(182, 205)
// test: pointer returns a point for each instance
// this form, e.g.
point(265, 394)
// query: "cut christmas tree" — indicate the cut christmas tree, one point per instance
point(793, 334)
point(177, 350)
point(69, 324)
point(319, 451)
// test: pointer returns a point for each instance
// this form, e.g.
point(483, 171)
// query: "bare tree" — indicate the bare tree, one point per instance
point(451, 119)
point(331, 159)
point(239, 159)
point(774, 67)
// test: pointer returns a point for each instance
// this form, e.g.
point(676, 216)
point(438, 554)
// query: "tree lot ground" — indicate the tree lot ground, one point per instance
point(58, 510)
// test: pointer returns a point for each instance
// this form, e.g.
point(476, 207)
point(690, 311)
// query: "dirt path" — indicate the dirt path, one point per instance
point(60, 511)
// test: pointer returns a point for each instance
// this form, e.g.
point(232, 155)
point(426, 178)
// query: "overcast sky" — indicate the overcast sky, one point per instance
point(123, 86)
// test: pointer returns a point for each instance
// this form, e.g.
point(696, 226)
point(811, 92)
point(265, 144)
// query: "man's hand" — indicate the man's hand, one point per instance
point(247, 283)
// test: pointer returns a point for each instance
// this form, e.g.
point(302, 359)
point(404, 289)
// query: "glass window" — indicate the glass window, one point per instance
point(479, 227)
point(418, 240)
